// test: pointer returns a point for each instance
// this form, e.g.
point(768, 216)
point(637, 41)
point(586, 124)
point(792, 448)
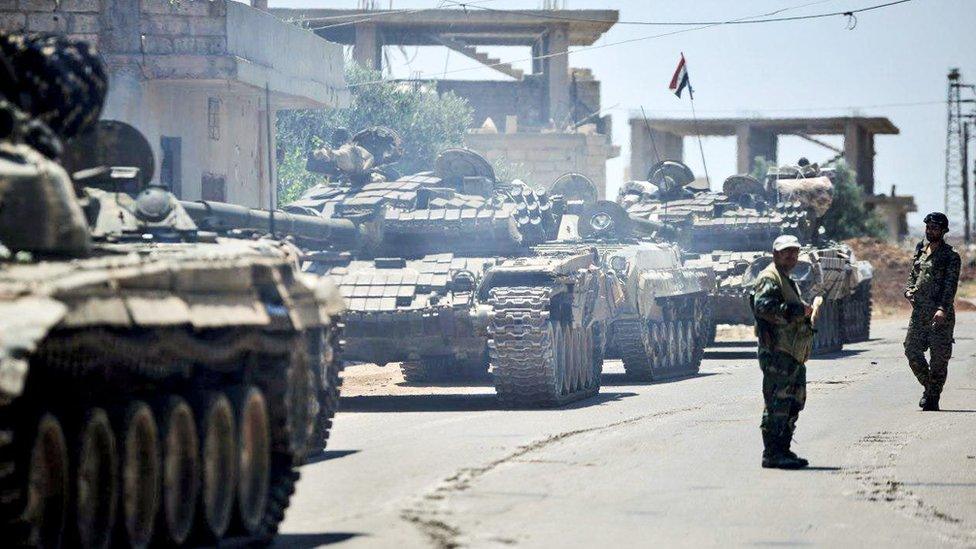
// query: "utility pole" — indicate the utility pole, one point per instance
point(958, 129)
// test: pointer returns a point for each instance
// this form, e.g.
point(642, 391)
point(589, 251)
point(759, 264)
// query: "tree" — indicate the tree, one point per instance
point(427, 122)
point(848, 216)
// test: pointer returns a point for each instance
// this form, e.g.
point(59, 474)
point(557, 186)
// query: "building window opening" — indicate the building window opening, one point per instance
point(213, 117)
point(171, 167)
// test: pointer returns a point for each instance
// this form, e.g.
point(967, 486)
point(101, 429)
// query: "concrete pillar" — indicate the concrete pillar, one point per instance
point(752, 142)
point(368, 49)
point(556, 70)
point(859, 153)
point(742, 151)
point(537, 64)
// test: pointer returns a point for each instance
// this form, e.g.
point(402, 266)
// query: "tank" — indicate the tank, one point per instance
point(159, 384)
point(731, 232)
point(659, 328)
point(449, 281)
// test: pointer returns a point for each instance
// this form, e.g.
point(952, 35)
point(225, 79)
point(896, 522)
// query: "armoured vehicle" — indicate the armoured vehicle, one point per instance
point(731, 231)
point(156, 381)
point(448, 280)
point(659, 328)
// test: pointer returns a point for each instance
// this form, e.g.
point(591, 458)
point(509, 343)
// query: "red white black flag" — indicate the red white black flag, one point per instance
point(680, 79)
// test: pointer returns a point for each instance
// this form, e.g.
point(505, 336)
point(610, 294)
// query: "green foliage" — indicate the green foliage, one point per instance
point(427, 122)
point(508, 170)
point(848, 217)
point(760, 168)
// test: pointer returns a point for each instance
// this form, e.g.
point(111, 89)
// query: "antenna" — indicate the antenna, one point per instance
point(272, 190)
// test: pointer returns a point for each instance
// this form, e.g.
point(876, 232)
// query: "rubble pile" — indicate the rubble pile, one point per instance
point(891, 262)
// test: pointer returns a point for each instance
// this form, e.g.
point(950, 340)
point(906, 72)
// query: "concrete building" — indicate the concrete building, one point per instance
point(193, 77)
point(656, 139)
point(548, 121)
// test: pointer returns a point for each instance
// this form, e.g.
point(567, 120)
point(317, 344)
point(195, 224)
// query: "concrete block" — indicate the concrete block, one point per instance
point(80, 6)
point(164, 24)
point(211, 45)
point(198, 8)
point(47, 22)
point(158, 44)
point(38, 5)
point(8, 5)
point(83, 23)
point(208, 26)
point(13, 21)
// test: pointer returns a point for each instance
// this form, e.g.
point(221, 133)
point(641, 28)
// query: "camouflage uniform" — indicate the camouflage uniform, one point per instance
point(785, 339)
point(931, 286)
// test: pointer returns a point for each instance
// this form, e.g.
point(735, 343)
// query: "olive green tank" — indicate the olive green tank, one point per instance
point(159, 384)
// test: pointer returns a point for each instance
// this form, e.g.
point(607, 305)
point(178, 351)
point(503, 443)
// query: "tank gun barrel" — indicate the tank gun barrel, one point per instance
point(647, 227)
point(310, 232)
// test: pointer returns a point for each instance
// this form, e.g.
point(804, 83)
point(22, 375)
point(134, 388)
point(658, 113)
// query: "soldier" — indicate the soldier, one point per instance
point(931, 289)
point(784, 326)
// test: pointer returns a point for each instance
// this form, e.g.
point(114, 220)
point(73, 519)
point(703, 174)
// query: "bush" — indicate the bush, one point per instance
point(427, 122)
point(848, 217)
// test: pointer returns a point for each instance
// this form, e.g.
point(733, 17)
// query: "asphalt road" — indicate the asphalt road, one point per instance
point(674, 463)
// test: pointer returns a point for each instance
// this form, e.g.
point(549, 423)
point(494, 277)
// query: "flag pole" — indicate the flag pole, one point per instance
point(694, 117)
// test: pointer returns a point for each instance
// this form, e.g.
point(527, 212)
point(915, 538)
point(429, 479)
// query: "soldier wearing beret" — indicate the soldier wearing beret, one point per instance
point(931, 289)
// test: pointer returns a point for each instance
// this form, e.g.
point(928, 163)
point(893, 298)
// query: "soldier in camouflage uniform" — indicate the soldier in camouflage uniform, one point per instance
point(931, 289)
point(784, 326)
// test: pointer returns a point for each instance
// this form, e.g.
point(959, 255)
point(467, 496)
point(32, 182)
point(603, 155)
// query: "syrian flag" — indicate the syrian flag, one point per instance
point(680, 79)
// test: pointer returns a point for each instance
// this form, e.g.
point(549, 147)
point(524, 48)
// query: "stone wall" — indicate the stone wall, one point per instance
point(542, 157)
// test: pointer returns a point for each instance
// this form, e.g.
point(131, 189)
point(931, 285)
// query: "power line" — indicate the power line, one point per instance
point(627, 41)
point(744, 21)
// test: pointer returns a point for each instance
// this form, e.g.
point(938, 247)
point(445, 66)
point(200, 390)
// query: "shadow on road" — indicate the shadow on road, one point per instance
point(959, 411)
point(621, 380)
point(843, 353)
point(453, 403)
point(821, 468)
point(730, 355)
point(308, 541)
point(751, 344)
point(330, 454)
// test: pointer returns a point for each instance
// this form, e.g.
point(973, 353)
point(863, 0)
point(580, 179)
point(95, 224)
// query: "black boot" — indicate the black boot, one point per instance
point(923, 402)
point(931, 403)
point(778, 455)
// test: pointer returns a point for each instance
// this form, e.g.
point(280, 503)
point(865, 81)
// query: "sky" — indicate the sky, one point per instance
point(893, 56)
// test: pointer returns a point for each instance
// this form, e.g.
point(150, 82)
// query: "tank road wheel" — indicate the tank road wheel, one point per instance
point(218, 454)
point(181, 471)
point(140, 475)
point(298, 392)
point(254, 462)
point(636, 342)
point(96, 481)
point(45, 512)
point(534, 357)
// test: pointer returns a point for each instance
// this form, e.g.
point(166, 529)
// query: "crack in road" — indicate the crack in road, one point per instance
point(431, 517)
point(878, 484)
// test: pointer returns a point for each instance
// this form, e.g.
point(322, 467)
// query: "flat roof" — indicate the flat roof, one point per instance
point(473, 26)
point(810, 126)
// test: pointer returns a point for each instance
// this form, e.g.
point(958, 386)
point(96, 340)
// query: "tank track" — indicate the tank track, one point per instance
point(829, 337)
point(328, 384)
point(653, 350)
point(127, 375)
point(857, 314)
point(537, 360)
point(445, 369)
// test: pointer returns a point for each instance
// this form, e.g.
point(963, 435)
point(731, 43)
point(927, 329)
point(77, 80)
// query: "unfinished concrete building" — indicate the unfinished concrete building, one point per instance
point(547, 121)
point(663, 138)
point(193, 77)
